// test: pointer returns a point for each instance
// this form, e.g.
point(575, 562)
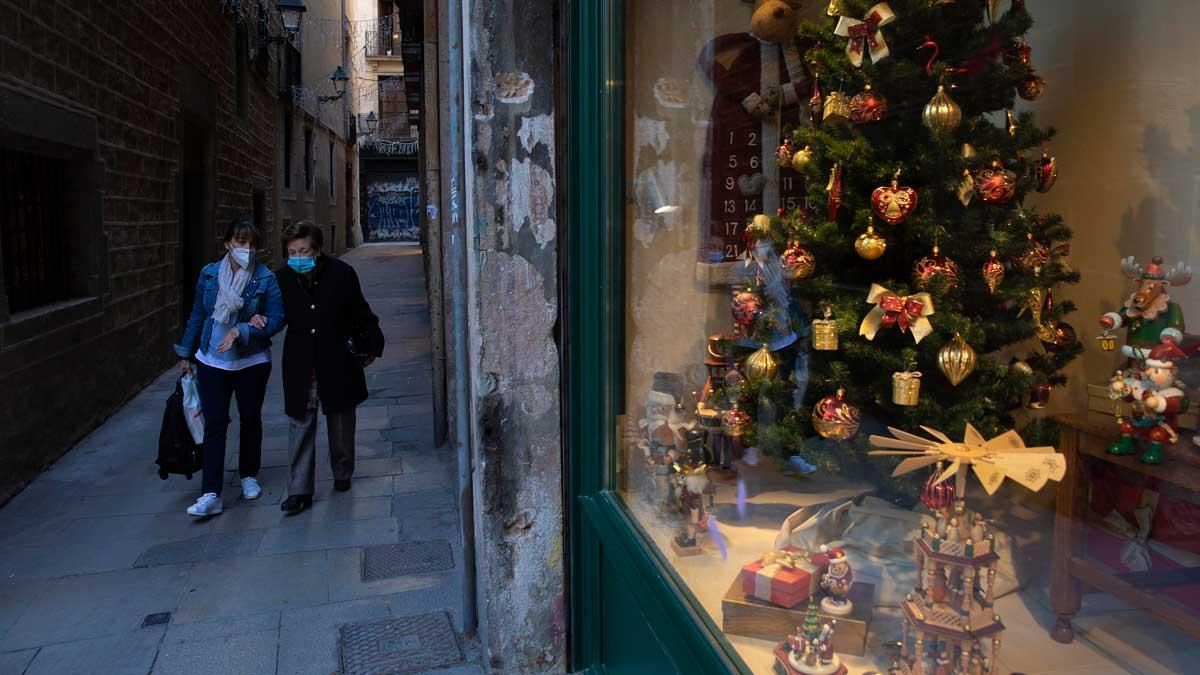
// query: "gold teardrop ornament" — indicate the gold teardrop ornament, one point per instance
point(941, 114)
point(761, 365)
point(956, 360)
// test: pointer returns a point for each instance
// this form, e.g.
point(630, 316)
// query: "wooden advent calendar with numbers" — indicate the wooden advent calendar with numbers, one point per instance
point(738, 164)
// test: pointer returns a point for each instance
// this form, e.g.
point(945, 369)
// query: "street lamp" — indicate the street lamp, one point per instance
point(339, 80)
point(292, 14)
point(370, 123)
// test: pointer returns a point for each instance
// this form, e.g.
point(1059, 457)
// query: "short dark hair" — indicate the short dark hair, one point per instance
point(240, 227)
point(303, 229)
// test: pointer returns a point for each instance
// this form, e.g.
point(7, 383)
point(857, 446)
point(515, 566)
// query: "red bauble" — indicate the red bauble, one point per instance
point(1047, 172)
point(797, 261)
point(995, 184)
point(835, 418)
point(937, 496)
point(935, 269)
point(746, 307)
point(1031, 88)
point(867, 106)
point(1062, 336)
point(1020, 53)
point(894, 203)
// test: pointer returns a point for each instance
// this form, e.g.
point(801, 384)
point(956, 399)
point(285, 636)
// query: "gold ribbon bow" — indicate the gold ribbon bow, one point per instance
point(865, 34)
point(788, 559)
point(908, 312)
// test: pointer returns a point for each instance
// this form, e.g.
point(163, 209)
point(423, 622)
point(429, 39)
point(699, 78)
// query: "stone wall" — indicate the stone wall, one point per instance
point(118, 76)
point(517, 459)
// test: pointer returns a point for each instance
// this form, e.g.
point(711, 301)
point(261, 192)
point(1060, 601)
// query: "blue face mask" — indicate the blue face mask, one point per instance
point(301, 264)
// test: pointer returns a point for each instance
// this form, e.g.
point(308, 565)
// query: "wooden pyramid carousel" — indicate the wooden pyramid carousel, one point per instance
point(950, 622)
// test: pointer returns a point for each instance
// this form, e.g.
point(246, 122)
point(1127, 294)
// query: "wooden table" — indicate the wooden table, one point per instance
point(1084, 443)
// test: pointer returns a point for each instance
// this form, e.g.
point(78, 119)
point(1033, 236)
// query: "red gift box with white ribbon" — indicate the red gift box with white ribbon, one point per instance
point(786, 577)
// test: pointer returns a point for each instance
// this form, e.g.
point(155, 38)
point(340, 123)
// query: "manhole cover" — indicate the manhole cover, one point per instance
point(404, 645)
point(388, 561)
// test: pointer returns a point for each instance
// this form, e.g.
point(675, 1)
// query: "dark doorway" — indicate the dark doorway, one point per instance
point(195, 232)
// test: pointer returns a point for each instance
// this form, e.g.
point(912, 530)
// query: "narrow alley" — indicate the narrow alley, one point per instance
point(103, 571)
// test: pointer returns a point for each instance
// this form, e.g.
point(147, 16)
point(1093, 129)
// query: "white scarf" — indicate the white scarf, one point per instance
point(230, 285)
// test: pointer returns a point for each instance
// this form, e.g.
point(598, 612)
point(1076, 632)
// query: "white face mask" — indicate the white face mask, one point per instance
point(241, 256)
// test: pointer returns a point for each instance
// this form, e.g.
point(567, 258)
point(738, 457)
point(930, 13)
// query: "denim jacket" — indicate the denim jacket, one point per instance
point(261, 296)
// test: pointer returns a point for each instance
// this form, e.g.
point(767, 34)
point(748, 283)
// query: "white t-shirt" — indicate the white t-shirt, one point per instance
point(227, 360)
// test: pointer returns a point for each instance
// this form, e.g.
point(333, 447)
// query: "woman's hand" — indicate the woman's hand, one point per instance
point(258, 321)
point(230, 338)
point(185, 367)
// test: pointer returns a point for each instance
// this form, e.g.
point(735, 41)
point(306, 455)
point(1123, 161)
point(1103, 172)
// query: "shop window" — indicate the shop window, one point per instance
point(33, 217)
point(837, 340)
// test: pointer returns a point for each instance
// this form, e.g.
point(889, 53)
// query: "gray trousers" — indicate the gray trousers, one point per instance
point(302, 446)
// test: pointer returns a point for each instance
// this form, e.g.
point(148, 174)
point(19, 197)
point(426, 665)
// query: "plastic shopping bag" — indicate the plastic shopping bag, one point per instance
point(191, 408)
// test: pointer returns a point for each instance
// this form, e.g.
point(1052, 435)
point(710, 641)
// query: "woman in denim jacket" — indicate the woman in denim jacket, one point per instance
point(236, 311)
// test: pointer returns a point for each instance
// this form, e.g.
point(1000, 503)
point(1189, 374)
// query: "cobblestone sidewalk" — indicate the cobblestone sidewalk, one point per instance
point(101, 570)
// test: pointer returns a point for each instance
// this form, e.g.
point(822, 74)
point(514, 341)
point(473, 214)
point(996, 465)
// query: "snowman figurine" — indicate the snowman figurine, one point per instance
point(836, 581)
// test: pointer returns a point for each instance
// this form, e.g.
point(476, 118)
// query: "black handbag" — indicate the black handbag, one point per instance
point(177, 452)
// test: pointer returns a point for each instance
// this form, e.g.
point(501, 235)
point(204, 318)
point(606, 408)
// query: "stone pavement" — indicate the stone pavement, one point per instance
point(102, 571)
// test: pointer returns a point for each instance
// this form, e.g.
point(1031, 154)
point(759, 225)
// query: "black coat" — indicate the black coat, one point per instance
point(318, 321)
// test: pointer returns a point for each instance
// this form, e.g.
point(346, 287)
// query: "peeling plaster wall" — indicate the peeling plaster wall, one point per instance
point(517, 459)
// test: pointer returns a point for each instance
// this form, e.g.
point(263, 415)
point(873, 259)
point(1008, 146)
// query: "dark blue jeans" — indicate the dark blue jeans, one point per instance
point(216, 388)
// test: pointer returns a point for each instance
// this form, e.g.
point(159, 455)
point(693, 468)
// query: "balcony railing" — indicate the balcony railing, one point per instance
point(383, 39)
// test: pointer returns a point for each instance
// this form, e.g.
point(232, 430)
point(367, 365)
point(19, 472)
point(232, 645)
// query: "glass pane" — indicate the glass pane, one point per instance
point(816, 251)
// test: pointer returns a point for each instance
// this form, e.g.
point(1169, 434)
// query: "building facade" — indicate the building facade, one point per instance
point(130, 135)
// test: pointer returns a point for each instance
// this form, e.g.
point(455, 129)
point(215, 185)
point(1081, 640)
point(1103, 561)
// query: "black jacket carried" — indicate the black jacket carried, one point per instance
point(318, 321)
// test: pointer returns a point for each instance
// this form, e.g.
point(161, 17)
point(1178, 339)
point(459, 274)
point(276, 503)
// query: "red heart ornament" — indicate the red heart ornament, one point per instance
point(893, 203)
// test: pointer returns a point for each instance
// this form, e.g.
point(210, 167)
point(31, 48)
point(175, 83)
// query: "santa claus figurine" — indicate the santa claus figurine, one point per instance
point(836, 581)
point(1159, 395)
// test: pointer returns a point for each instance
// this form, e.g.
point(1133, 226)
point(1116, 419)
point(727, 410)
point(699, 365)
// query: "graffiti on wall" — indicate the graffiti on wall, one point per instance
point(393, 210)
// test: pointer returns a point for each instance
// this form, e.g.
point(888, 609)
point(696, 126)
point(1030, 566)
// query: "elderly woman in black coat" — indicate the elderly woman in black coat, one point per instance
point(332, 335)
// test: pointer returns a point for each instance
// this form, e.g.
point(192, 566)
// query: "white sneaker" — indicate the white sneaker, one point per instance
point(251, 488)
point(209, 504)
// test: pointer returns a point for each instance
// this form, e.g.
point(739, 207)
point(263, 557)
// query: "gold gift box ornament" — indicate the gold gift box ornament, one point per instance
point(1107, 341)
point(825, 334)
point(906, 387)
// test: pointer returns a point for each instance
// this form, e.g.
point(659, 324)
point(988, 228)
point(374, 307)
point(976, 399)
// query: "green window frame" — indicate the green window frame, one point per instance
point(612, 558)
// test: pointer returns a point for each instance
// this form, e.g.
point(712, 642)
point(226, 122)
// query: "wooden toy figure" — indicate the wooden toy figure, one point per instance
point(1148, 313)
point(837, 581)
point(1158, 399)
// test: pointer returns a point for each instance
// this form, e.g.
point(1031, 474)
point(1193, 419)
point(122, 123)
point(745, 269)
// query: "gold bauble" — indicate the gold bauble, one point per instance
point(956, 360)
point(761, 365)
point(802, 158)
point(869, 245)
point(1021, 368)
point(941, 114)
point(968, 151)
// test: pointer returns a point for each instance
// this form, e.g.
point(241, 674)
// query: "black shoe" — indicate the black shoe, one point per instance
point(295, 504)
point(341, 484)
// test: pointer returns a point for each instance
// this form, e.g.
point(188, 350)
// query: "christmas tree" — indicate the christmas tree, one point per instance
point(918, 170)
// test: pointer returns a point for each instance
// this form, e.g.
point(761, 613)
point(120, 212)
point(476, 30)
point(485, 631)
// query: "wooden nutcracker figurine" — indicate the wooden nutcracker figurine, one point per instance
point(837, 581)
point(1158, 399)
point(1148, 313)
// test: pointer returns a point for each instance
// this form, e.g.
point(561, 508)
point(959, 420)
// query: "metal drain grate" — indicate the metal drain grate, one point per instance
point(404, 645)
point(156, 619)
point(389, 561)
